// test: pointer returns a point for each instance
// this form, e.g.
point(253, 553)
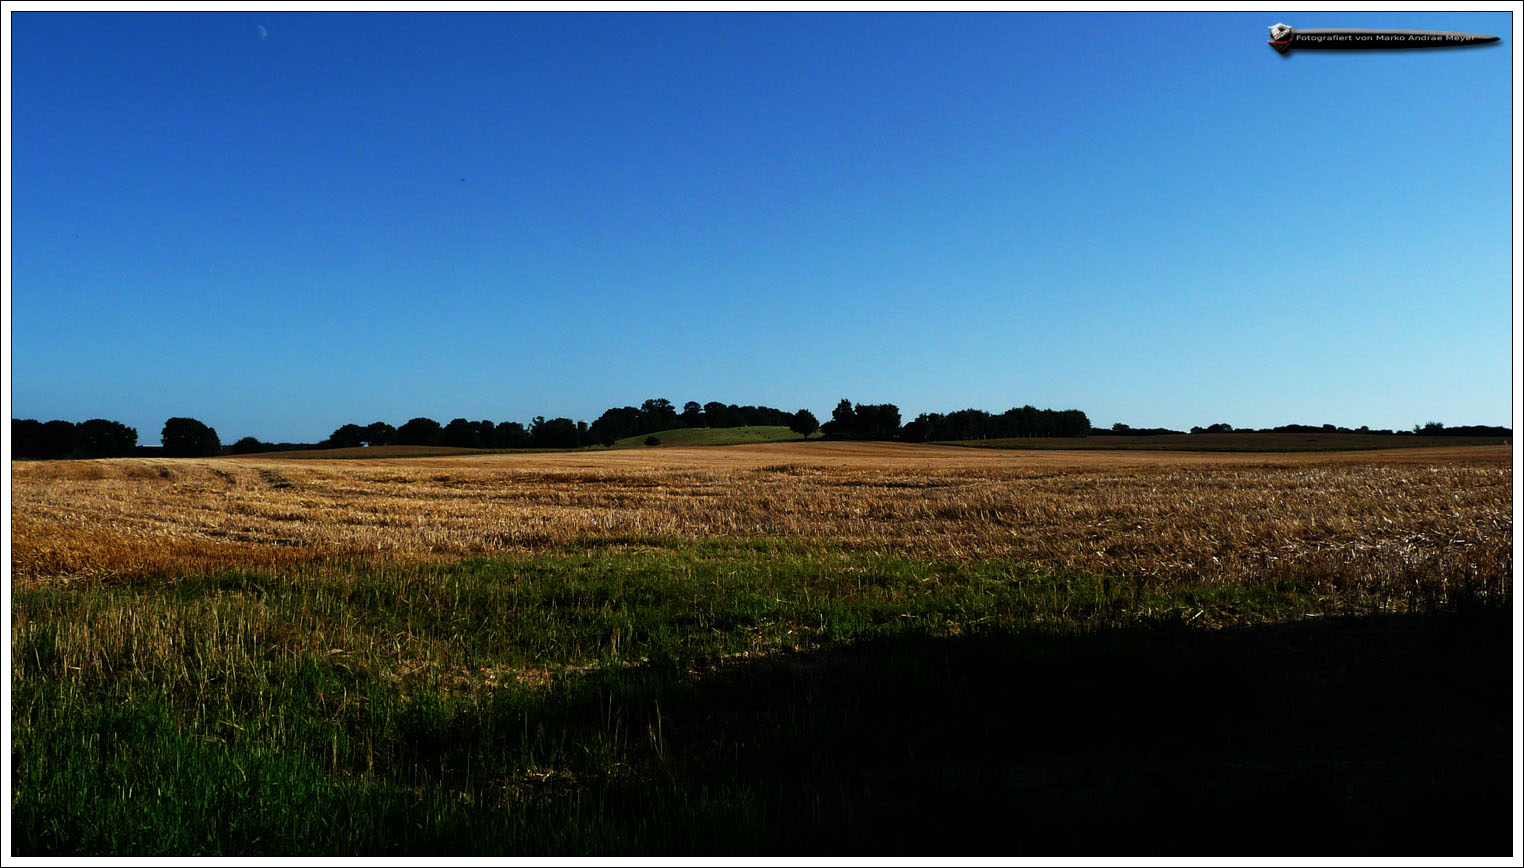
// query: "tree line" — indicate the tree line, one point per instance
point(616, 423)
point(1027, 421)
point(186, 437)
point(92, 438)
point(1428, 429)
point(105, 438)
point(849, 421)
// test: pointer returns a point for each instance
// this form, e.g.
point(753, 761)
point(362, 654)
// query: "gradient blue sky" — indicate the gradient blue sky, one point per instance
point(279, 223)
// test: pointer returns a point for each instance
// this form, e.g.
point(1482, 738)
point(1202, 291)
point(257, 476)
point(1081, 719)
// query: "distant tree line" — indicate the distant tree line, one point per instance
point(1429, 429)
point(659, 414)
point(93, 438)
point(616, 423)
point(186, 437)
point(851, 421)
point(1436, 429)
point(1124, 428)
point(103, 438)
point(972, 424)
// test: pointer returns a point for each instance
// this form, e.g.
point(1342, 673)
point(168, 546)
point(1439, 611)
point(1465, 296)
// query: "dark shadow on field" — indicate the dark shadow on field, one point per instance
point(1383, 735)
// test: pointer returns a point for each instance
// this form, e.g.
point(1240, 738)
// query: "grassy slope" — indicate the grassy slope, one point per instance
point(1245, 442)
point(653, 696)
point(713, 436)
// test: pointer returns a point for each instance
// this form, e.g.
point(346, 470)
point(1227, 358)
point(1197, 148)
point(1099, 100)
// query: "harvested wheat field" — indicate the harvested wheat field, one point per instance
point(1216, 517)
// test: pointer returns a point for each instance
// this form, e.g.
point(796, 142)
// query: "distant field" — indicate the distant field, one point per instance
point(780, 648)
point(1246, 442)
point(713, 436)
point(372, 452)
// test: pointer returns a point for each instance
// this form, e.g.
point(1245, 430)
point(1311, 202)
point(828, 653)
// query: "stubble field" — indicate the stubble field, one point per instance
point(1180, 516)
point(805, 647)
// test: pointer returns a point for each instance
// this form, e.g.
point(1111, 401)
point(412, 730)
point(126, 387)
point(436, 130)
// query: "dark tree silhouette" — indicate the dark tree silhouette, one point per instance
point(60, 439)
point(804, 423)
point(844, 416)
point(512, 435)
point(616, 423)
point(345, 437)
point(380, 434)
point(462, 433)
point(184, 437)
point(34, 439)
point(246, 445)
point(657, 414)
point(916, 430)
point(103, 438)
point(421, 431)
point(717, 415)
point(878, 421)
point(26, 438)
point(558, 433)
point(95, 438)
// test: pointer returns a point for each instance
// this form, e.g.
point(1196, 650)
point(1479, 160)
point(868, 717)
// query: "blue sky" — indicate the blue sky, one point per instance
point(280, 222)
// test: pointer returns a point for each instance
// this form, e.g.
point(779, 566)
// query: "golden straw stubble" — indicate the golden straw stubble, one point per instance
point(1179, 515)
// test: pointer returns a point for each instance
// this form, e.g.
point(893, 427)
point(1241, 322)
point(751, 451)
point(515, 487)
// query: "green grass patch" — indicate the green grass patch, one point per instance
point(647, 696)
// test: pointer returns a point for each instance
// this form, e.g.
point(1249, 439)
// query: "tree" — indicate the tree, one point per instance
point(421, 431)
point(877, 421)
point(512, 435)
point(919, 430)
point(53, 439)
point(844, 416)
point(717, 415)
point(804, 423)
point(462, 433)
point(184, 437)
point(59, 439)
point(486, 434)
point(103, 438)
point(26, 438)
point(246, 445)
point(616, 423)
point(379, 434)
point(693, 415)
point(345, 437)
point(558, 433)
point(657, 414)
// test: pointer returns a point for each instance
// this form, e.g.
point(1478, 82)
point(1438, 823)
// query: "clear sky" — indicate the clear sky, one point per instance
point(278, 223)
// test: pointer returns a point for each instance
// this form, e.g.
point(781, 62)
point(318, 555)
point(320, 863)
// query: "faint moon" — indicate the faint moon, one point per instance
point(263, 33)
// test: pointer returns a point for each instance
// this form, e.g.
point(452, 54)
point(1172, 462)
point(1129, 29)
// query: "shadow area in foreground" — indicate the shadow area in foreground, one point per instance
point(1384, 735)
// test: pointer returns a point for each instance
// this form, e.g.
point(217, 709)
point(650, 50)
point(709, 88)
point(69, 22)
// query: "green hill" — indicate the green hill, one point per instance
point(713, 436)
